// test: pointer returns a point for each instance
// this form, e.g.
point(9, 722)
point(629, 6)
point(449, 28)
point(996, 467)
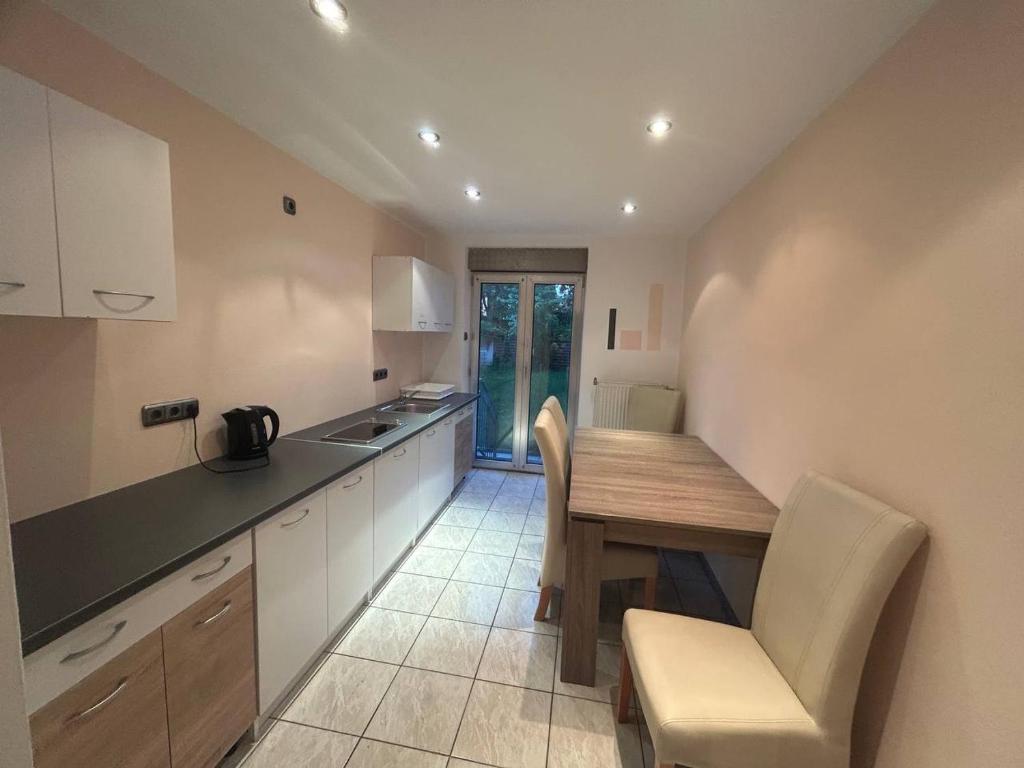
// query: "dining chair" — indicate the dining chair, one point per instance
point(619, 561)
point(553, 405)
point(782, 693)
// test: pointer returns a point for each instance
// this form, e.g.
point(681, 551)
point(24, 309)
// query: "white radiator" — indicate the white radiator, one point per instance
point(611, 400)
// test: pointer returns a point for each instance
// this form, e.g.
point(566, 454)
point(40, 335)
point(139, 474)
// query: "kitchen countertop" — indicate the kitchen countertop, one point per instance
point(76, 562)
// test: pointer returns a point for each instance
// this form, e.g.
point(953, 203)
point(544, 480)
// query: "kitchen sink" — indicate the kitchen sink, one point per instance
point(413, 407)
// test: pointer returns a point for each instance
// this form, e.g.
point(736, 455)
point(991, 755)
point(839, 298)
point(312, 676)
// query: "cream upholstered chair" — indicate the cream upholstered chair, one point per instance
point(561, 424)
point(779, 695)
point(619, 561)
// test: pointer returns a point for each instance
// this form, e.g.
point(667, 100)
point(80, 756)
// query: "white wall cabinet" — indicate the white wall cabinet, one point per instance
point(349, 544)
point(291, 593)
point(437, 456)
point(85, 210)
point(411, 295)
point(29, 277)
point(395, 504)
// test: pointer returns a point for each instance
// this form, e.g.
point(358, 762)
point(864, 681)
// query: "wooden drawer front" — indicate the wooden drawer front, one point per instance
point(52, 670)
point(210, 668)
point(115, 718)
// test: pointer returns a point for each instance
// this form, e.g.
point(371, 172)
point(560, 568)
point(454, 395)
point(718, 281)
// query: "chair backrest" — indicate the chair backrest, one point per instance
point(653, 409)
point(553, 451)
point(561, 424)
point(833, 558)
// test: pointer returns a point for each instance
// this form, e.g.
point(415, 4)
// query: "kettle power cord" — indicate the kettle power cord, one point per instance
point(208, 468)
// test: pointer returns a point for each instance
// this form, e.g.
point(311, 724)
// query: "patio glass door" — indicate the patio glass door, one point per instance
point(526, 347)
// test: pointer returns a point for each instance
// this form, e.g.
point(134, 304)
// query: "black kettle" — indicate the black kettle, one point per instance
point(247, 432)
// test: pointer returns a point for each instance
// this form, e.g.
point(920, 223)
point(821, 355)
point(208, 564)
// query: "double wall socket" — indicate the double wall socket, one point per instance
point(171, 410)
point(380, 374)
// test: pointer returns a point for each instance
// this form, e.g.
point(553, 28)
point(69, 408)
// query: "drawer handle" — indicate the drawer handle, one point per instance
point(146, 296)
point(219, 614)
point(431, 433)
point(397, 455)
point(93, 648)
point(299, 519)
point(101, 703)
point(12, 283)
point(353, 485)
point(214, 572)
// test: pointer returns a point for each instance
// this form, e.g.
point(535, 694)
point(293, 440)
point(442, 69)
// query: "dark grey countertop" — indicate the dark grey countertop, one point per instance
point(74, 563)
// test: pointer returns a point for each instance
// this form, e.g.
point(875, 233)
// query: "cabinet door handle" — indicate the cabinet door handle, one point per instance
point(214, 572)
point(93, 648)
point(353, 485)
point(121, 685)
point(431, 433)
point(397, 455)
point(100, 292)
point(296, 521)
point(423, 323)
point(217, 615)
point(12, 283)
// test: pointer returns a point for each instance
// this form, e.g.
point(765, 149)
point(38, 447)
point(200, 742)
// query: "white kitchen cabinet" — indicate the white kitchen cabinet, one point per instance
point(437, 455)
point(29, 277)
point(112, 187)
point(349, 544)
point(395, 504)
point(291, 593)
point(411, 295)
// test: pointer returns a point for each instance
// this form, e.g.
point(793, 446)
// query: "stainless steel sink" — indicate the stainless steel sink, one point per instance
point(413, 407)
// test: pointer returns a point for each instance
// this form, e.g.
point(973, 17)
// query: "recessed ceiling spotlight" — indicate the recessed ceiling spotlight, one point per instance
point(659, 126)
point(473, 193)
point(332, 12)
point(429, 137)
point(629, 208)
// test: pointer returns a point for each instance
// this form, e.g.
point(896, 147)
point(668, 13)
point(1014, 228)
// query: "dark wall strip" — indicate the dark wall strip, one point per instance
point(611, 327)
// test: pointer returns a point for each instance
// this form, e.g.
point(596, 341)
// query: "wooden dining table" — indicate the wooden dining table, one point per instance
point(653, 489)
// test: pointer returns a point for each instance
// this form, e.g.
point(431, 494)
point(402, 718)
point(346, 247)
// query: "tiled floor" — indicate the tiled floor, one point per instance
point(447, 667)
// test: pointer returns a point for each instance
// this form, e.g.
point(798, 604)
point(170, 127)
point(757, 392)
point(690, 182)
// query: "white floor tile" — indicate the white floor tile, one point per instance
point(462, 601)
point(342, 695)
point(518, 658)
point(431, 561)
point(483, 569)
point(381, 635)
point(300, 746)
point(421, 710)
point(504, 726)
point(452, 647)
point(410, 593)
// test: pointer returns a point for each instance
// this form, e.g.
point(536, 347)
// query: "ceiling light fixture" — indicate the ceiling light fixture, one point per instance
point(332, 12)
point(429, 137)
point(473, 193)
point(629, 208)
point(659, 126)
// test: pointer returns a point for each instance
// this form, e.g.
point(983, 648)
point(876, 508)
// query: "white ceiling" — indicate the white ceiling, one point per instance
point(541, 103)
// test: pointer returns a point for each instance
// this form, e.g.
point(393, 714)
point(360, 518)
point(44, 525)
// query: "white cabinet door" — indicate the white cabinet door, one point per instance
point(112, 186)
point(291, 593)
point(395, 504)
point(437, 454)
point(422, 300)
point(444, 288)
point(349, 544)
point(29, 278)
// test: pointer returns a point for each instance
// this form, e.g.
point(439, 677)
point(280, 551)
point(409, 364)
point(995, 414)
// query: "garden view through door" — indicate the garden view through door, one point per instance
point(526, 333)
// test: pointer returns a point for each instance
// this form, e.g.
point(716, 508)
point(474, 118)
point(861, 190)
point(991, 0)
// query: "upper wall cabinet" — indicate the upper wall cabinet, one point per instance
point(29, 273)
point(411, 295)
point(99, 216)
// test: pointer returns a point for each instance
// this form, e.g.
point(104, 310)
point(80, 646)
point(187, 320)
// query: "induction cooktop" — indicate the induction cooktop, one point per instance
point(363, 431)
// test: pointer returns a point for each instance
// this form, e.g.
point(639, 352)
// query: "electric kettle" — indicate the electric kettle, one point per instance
point(247, 431)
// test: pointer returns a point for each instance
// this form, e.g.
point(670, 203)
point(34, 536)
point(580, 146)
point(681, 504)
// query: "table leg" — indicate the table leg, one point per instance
point(581, 601)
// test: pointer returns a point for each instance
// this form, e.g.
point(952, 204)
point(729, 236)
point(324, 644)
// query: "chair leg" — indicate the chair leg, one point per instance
point(625, 687)
point(543, 601)
point(650, 592)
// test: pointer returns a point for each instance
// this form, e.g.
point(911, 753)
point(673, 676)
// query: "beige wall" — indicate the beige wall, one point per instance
point(15, 747)
point(272, 309)
point(859, 308)
point(621, 270)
